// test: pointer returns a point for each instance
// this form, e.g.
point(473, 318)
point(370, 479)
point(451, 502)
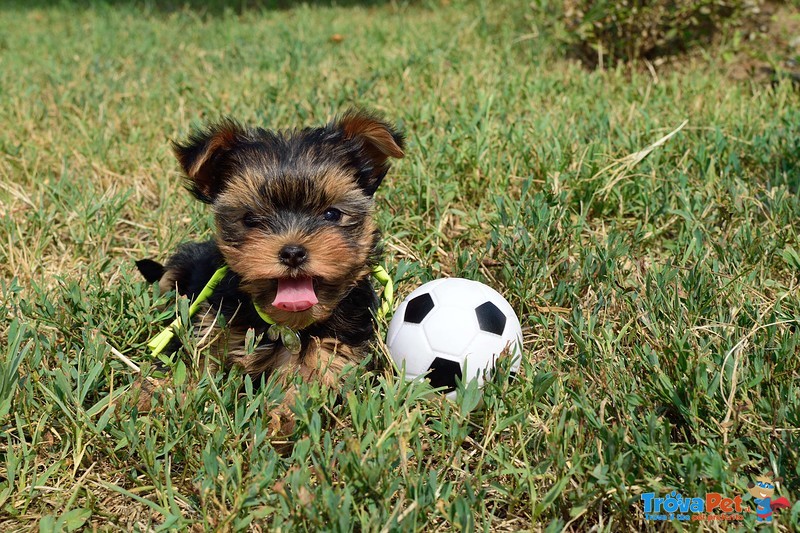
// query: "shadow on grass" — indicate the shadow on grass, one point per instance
point(209, 7)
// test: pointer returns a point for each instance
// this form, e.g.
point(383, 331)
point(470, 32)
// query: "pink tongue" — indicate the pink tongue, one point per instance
point(295, 294)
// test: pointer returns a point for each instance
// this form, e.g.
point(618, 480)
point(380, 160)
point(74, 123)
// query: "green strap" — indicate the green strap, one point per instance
point(160, 341)
point(388, 290)
point(263, 314)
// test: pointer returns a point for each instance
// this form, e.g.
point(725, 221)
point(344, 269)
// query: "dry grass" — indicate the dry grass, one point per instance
point(658, 287)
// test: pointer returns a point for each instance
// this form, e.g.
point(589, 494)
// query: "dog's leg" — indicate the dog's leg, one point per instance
point(323, 361)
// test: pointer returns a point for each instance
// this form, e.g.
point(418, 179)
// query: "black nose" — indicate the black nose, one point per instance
point(293, 255)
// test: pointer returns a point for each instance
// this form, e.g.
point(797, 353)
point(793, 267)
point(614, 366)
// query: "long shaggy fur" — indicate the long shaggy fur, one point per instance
point(311, 188)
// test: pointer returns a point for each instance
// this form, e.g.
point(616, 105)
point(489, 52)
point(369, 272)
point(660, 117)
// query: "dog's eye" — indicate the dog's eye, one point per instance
point(250, 220)
point(332, 215)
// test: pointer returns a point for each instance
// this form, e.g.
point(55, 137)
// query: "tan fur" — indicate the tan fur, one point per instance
point(244, 185)
point(256, 258)
point(323, 360)
point(197, 168)
point(337, 184)
point(374, 133)
point(266, 198)
point(330, 257)
point(228, 345)
point(144, 389)
point(223, 139)
point(167, 281)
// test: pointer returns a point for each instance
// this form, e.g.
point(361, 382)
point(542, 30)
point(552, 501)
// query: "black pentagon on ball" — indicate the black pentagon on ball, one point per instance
point(443, 373)
point(418, 308)
point(490, 318)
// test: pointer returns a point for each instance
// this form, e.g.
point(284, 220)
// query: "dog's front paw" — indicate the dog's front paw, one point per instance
point(144, 389)
point(282, 422)
point(281, 426)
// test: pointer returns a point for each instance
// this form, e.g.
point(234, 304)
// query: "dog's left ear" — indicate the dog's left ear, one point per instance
point(202, 157)
point(377, 142)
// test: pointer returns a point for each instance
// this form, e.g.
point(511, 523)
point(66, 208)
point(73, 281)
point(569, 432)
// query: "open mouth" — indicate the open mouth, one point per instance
point(295, 294)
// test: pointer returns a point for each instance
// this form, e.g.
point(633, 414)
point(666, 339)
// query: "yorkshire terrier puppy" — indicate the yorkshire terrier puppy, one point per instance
point(293, 212)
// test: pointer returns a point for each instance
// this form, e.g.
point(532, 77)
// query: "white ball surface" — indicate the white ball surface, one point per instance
point(453, 327)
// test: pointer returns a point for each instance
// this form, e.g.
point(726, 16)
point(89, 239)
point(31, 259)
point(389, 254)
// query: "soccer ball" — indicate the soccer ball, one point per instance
point(453, 328)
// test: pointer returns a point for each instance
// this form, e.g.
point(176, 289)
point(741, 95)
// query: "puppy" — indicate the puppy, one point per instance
point(293, 212)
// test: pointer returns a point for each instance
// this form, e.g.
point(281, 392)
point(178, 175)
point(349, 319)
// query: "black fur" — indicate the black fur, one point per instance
point(151, 270)
point(277, 151)
point(265, 187)
point(352, 322)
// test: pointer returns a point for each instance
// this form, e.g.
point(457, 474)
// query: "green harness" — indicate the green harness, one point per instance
point(288, 337)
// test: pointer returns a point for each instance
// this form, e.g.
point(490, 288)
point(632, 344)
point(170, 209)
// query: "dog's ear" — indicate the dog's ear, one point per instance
point(376, 141)
point(202, 157)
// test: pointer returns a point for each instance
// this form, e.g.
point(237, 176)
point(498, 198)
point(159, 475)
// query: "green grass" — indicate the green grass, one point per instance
point(659, 300)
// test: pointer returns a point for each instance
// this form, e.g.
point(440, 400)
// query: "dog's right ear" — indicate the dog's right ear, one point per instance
point(202, 157)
